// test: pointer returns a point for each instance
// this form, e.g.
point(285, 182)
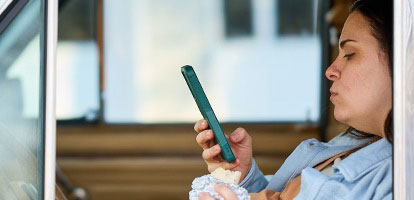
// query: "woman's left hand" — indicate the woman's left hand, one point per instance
point(222, 190)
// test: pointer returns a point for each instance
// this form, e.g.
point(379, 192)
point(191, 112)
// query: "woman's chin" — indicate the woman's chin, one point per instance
point(340, 116)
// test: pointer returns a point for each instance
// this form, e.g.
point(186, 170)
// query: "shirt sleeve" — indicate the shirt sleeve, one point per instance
point(254, 180)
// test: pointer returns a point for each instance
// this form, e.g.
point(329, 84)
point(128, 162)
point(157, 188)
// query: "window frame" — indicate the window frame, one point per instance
point(11, 11)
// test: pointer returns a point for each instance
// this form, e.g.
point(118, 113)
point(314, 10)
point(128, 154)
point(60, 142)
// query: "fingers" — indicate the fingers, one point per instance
point(225, 192)
point(201, 125)
point(232, 165)
point(204, 196)
point(239, 135)
point(209, 153)
point(204, 138)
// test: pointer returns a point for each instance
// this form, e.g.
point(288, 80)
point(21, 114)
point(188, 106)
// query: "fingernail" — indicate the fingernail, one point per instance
point(235, 136)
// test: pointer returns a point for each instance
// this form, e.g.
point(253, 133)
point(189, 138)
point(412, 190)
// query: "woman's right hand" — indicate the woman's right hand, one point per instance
point(240, 143)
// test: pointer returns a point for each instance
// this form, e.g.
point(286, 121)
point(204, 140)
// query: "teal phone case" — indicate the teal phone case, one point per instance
point(207, 112)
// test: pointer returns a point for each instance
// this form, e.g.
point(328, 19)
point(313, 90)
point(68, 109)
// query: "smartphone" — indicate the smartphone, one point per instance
point(207, 112)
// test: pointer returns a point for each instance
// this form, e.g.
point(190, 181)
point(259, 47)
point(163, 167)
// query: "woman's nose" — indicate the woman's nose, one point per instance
point(332, 73)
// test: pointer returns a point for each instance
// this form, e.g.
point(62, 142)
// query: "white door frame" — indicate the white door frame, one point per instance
point(50, 120)
point(403, 99)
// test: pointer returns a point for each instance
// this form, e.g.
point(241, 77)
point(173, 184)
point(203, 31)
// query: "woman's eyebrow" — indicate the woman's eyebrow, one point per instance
point(343, 42)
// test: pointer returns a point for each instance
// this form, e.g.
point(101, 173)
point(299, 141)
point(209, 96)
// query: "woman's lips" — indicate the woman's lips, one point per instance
point(333, 95)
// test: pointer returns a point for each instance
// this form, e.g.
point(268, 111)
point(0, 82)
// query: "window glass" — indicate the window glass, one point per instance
point(238, 17)
point(299, 22)
point(263, 77)
point(77, 94)
point(21, 104)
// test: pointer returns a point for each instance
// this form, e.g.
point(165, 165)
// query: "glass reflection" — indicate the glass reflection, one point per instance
point(21, 116)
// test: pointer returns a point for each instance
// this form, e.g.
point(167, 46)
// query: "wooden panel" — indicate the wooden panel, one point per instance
point(135, 140)
point(142, 178)
point(157, 161)
point(403, 99)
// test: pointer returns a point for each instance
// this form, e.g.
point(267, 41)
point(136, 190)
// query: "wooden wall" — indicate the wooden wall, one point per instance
point(156, 162)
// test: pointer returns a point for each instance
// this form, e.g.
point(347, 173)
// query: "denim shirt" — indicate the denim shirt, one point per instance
point(365, 174)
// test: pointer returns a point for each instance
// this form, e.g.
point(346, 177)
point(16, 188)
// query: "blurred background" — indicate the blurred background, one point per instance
point(125, 114)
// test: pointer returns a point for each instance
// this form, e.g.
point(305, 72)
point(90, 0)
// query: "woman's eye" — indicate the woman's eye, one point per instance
point(348, 56)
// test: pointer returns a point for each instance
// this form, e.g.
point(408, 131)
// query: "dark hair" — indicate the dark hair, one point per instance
point(379, 13)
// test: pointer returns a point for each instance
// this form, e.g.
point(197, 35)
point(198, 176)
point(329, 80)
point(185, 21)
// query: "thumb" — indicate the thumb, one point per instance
point(239, 135)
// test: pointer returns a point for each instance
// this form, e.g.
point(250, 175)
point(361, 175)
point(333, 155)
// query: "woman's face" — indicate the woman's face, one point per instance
point(361, 90)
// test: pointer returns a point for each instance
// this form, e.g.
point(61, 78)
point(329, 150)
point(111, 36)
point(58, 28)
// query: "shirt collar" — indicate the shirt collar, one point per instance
point(347, 139)
point(361, 161)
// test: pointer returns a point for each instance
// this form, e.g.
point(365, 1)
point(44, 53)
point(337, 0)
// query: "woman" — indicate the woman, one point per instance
point(353, 165)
